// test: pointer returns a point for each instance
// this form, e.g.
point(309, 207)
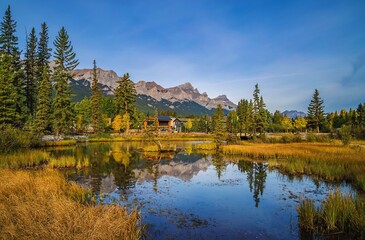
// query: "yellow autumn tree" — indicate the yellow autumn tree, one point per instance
point(117, 123)
point(286, 123)
point(300, 123)
point(125, 122)
point(79, 123)
point(189, 125)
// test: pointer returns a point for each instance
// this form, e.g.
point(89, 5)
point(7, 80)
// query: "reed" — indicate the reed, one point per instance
point(68, 162)
point(307, 215)
point(206, 146)
point(36, 158)
point(68, 142)
point(24, 159)
point(338, 213)
point(43, 205)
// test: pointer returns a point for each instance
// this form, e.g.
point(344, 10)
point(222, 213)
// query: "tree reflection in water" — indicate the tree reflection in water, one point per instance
point(219, 164)
point(256, 177)
point(121, 166)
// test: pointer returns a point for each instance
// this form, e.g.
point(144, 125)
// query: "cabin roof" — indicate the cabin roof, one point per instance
point(163, 118)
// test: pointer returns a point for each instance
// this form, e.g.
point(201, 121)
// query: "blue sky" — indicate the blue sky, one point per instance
point(222, 47)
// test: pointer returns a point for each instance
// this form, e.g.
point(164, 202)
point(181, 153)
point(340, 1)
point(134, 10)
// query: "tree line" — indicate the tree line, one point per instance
point(35, 92)
point(252, 119)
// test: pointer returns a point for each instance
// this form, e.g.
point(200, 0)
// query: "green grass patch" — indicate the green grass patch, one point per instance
point(338, 214)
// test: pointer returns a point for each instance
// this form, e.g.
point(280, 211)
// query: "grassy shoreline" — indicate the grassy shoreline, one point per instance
point(329, 161)
point(43, 205)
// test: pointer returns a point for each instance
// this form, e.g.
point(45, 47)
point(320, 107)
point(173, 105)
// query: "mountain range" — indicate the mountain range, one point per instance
point(183, 99)
point(294, 114)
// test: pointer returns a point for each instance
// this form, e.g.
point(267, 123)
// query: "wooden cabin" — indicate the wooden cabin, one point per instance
point(164, 123)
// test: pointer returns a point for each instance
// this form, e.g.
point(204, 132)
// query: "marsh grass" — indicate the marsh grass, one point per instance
point(328, 161)
point(24, 159)
point(43, 205)
point(338, 213)
point(142, 137)
point(40, 158)
point(164, 148)
point(67, 162)
point(206, 146)
point(307, 214)
point(67, 142)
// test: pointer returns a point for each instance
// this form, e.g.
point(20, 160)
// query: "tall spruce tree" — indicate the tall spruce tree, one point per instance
point(250, 119)
point(125, 96)
point(42, 117)
point(44, 101)
point(262, 117)
point(96, 98)
point(12, 71)
point(31, 81)
point(242, 111)
point(43, 51)
point(259, 112)
point(65, 62)
point(316, 112)
point(8, 93)
point(218, 119)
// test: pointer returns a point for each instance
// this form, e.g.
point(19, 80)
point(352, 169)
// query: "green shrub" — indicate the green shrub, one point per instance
point(13, 138)
point(345, 134)
point(311, 137)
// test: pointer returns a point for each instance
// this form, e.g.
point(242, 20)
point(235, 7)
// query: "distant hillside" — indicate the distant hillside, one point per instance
point(183, 99)
point(294, 114)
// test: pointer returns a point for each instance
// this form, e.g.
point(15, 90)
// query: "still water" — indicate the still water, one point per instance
point(197, 195)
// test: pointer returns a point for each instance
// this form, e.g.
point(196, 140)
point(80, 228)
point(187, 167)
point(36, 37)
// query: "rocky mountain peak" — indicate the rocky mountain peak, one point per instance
point(184, 92)
point(186, 86)
point(222, 97)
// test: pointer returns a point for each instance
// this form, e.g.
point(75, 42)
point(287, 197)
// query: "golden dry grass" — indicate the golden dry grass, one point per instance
point(330, 161)
point(164, 148)
point(206, 146)
point(36, 158)
point(42, 205)
point(323, 151)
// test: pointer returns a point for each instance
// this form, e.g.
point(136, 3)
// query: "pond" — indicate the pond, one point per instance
point(197, 195)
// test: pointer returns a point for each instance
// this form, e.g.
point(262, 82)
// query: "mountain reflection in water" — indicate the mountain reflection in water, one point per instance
point(192, 194)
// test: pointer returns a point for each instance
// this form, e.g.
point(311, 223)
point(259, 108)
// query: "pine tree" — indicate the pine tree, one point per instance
point(31, 72)
point(316, 112)
point(261, 120)
point(96, 115)
point(125, 96)
point(218, 118)
point(250, 121)
point(242, 112)
point(44, 101)
point(65, 62)
point(43, 51)
point(8, 94)
point(256, 108)
point(232, 122)
point(259, 112)
point(12, 70)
